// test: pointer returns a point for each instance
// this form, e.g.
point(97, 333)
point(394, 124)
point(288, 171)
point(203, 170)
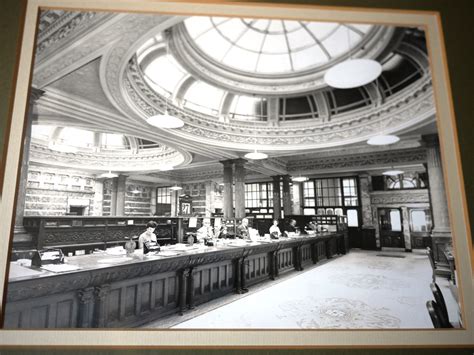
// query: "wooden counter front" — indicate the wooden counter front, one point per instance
point(128, 292)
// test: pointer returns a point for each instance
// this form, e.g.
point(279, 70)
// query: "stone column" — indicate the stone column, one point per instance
point(20, 235)
point(441, 232)
point(276, 197)
point(113, 197)
point(364, 188)
point(228, 204)
point(239, 182)
point(287, 206)
point(406, 228)
point(209, 198)
point(273, 111)
point(153, 200)
point(121, 193)
point(98, 197)
point(297, 201)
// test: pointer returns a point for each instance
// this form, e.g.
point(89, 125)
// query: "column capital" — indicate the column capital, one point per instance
point(240, 161)
point(35, 94)
point(227, 163)
point(431, 140)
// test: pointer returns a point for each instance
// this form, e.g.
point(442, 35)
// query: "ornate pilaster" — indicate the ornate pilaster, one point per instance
point(276, 197)
point(406, 228)
point(287, 207)
point(273, 105)
point(121, 192)
point(239, 182)
point(228, 193)
point(441, 232)
point(98, 197)
point(100, 311)
point(364, 188)
point(86, 307)
point(20, 235)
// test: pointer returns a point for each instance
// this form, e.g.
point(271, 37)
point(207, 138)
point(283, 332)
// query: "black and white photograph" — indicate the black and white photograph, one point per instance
point(221, 172)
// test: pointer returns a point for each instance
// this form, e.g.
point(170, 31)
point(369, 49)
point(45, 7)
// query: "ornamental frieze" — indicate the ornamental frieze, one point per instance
point(399, 197)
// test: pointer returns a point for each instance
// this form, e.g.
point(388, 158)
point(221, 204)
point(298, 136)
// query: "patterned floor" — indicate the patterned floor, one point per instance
point(360, 290)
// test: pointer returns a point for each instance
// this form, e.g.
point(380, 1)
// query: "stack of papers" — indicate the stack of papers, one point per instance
point(60, 267)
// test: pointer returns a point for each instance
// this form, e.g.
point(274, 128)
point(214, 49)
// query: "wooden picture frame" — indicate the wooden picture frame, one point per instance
point(463, 247)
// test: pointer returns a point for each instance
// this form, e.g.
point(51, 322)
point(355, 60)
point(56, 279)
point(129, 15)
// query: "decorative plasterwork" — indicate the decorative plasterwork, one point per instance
point(150, 159)
point(361, 161)
point(399, 197)
point(202, 66)
point(412, 106)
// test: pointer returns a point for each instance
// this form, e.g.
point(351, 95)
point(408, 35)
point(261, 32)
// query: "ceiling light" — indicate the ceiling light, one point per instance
point(393, 172)
point(256, 155)
point(299, 178)
point(136, 191)
point(383, 139)
point(176, 188)
point(165, 121)
point(63, 148)
point(109, 175)
point(353, 73)
point(165, 167)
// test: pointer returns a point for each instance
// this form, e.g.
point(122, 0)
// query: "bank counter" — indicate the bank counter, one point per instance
point(107, 288)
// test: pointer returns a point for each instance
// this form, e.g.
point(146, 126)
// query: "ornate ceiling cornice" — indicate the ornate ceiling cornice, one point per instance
point(411, 106)
point(150, 159)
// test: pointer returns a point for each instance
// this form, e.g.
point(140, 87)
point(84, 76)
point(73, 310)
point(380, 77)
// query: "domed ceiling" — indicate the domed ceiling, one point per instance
point(236, 83)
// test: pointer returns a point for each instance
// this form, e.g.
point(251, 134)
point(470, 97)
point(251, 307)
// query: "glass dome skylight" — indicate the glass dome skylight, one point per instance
point(272, 46)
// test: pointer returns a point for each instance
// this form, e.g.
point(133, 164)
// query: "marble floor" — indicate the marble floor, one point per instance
point(360, 290)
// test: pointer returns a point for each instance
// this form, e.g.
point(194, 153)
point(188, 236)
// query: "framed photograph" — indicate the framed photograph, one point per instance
point(336, 123)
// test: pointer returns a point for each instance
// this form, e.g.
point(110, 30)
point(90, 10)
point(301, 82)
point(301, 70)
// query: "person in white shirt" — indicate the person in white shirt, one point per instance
point(148, 236)
point(274, 229)
point(205, 232)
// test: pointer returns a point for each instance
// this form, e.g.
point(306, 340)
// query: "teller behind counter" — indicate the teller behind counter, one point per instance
point(147, 240)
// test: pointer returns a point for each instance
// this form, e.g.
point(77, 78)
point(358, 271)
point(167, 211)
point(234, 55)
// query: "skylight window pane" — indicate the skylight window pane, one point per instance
point(42, 131)
point(274, 64)
point(213, 44)
point(322, 29)
point(299, 39)
point(241, 59)
point(291, 25)
point(232, 29)
point(198, 25)
point(275, 27)
point(205, 97)
point(362, 28)
point(77, 137)
point(251, 40)
point(275, 44)
point(338, 43)
point(165, 72)
point(308, 57)
point(260, 24)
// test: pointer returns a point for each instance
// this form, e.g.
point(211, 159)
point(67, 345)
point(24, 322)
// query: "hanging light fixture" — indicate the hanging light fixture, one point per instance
point(176, 188)
point(382, 139)
point(352, 73)
point(109, 175)
point(135, 191)
point(255, 155)
point(165, 120)
point(299, 178)
point(165, 167)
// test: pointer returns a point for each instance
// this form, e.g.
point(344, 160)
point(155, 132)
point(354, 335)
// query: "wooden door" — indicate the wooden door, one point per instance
point(391, 228)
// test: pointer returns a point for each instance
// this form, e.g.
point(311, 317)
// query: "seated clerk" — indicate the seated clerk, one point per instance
point(243, 229)
point(312, 226)
point(205, 232)
point(148, 236)
point(222, 233)
point(274, 229)
point(290, 227)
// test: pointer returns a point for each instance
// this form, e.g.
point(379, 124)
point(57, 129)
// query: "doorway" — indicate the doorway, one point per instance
point(391, 228)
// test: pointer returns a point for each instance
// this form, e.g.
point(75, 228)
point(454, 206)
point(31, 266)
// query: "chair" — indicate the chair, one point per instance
point(434, 313)
point(443, 311)
point(435, 266)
